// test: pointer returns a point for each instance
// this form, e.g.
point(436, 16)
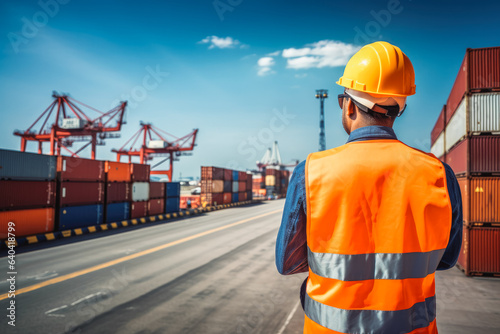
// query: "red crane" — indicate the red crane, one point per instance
point(157, 147)
point(64, 122)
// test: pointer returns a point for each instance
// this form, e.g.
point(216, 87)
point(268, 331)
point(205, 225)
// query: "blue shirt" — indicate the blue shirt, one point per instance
point(291, 247)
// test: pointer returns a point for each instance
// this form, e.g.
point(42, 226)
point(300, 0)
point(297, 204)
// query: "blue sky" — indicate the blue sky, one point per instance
point(243, 72)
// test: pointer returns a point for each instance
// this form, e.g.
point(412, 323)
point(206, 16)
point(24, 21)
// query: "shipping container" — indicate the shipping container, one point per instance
point(139, 209)
point(236, 197)
point(228, 174)
point(80, 216)
point(242, 196)
point(439, 126)
point(157, 190)
point(242, 186)
point(236, 186)
point(117, 212)
point(480, 199)
point(78, 169)
point(140, 191)
point(27, 166)
point(228, 186)
point(212, 186)
point(438, 148)
point(235, 175)
point(194, 200)
point(81, 193)
point(16, 195)
point(27, 222)
point(173, 189)
point(249, 195)
point(270, 180)
point(156, 207)
point(227, 198)
point(117, 192)
point(479, 72)
point(480, 252)
point(117, 171)
point(139, 172)
point(212, 173)
point(242, 176)
point(210, 199)
point(172, 204)
point(482, 152)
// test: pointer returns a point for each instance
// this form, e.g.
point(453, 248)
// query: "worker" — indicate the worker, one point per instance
point(372, 220)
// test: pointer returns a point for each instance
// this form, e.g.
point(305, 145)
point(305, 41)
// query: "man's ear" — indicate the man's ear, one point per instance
point(350, 107)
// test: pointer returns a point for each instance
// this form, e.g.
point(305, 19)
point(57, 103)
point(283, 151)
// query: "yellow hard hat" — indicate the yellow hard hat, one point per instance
point(379, 68)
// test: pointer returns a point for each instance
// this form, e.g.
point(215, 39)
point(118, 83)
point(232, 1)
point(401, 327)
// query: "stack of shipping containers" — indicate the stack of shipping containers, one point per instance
point(276, 181)
point(228, 187)
point(224, 186)
point(28, 193)
point(212, 185)
point(80, 192)
point(467, 137)
point(157, 194)
point(118, 191)
point(139, 175)
point(172, 197)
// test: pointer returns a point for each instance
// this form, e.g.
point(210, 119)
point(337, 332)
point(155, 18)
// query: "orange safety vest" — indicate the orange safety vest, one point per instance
point(378, 223)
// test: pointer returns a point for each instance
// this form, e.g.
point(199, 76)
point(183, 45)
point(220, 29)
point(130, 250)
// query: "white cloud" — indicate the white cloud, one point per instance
point(274, 54)
point(265, 64)
point(221, 42)
point(326, 53)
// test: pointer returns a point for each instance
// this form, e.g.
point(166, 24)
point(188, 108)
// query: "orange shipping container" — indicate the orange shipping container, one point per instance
point(227, 198)
point(480, 199)
point(117, 171)
point(27, 222)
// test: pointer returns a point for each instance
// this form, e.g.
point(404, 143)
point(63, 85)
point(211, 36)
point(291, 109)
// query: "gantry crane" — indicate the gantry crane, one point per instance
point(272, 157)
point(157, 147)
point(64, 123)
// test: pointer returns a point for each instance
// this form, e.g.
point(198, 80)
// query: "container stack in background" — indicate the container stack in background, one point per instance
point(276, 182)
point(139, 175)
point(224, 186)
point(467, 137)
point(157, 195)
point(118, 191)
point(172, 197)
point(27, 193)
point(80, 192)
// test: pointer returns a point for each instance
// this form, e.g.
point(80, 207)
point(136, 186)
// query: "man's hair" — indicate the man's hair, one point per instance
point(376, 118)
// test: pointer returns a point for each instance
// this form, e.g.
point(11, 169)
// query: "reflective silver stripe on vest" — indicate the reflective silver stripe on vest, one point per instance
point(371, 321)
point(374, 266)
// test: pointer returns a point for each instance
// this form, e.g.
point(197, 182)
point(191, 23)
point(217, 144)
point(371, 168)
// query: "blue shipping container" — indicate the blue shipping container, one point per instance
point(27, 166)
point(117, 212)
point(235, 175)
point(80, 216)
point(172, 204)
point(235, 197)
point(173, 189)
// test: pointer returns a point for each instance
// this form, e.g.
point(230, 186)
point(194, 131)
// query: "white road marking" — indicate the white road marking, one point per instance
point(86, 298)
point(49, 312)
point(287, 321)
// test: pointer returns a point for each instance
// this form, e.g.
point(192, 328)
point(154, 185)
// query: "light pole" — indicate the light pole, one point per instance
point(322, 94)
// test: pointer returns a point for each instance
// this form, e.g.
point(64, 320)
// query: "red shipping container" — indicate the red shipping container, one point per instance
point(156, 207)
point(439, 126)
point(212, 173)
point(211, 199)
point(139, 209)
point(242, 176)
point(483, 153)
point(228, 174)
point(480, 71)
point(117, 171)
point(139, 172)
point(227, 198)
point(81, 193)
point(27, 194)
point(78, 169)
point(117, 192)
point(242, 186)
point(480, 252)
point(480, 199)
point(242, 196)
point(27, 222)
point(156, 190)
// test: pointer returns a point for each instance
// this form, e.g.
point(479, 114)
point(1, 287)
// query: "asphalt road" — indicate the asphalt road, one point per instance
point(213, 273)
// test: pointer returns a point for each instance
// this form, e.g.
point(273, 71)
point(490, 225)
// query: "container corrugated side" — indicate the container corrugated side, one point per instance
point(27, 222)
point(485, 199)
point(236, 197)
point(78, 169)
point(80, 216)
point(27, 166)
point(156, 207)
point(173, 189)
point(228, 186)
point(117, 171)
point(457, 91)
point(456, 128)
point(484, 68)
point(438, 126)
point(457, 157)
point(485, 154)
point(228, 174)
point(464, 184)
point(236, 186)
point(117, 192)
point(16, 195)
point(140, 191)
point(437, 148)
point(156, 190)
point(139, 209)
point(235, 175)
point(212, 173)
point(139, 172)
point(485, 112)
point(227, 198)
point(212, 186)
point(81, 193)
point(117, 212)
point(242, 186)
point(172, 204)
point(480, 252)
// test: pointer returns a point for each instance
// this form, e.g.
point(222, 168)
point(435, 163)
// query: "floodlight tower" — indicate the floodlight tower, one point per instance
point(322, 94)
